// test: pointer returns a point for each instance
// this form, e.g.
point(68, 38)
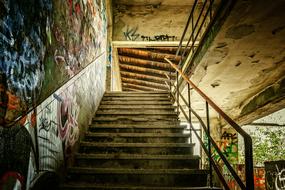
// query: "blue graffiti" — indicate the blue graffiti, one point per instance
point(22, 45)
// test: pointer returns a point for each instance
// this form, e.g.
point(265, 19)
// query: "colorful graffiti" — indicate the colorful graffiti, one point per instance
point(228, 144)
point(275, 175)
point(42, 44)
point(259, 177)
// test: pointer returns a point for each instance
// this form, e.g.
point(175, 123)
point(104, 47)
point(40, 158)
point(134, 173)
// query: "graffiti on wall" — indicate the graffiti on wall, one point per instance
point(43, 43)
point(131, 34)
point(275, 175)
point(162, 37)
point(57, 128)
point(22, 44)
point(228, 145)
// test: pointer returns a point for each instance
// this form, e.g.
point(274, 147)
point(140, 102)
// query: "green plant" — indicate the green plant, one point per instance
point(268, 144)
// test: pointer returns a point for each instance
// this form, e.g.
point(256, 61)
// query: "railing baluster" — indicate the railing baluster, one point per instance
point(247, 139)
point(209, 144)
point(189, 106)
point(177, 91)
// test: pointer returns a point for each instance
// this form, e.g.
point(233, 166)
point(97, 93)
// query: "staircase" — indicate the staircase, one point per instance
point(135, 142)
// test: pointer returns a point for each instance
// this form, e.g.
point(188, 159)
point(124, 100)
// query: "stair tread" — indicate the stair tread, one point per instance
point(132, 119)
point(120, 112)
point(131, 102)
point(137, 98)
point(114, 186)
point(127, 93)
point(153, 107)
point(85, 143)
point(143, 126)
point(135, 171)
point(96, 134)
point(136, 156)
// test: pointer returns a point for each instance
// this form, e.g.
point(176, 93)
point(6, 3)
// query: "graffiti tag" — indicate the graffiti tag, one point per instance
point(131, 34)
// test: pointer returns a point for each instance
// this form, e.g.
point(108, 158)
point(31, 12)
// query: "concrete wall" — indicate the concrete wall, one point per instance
point(149, 22)
point(63, 117)
point(53, 56)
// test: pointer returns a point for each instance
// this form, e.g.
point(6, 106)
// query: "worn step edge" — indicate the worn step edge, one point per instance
point(134, 113)
point(134, 119)
point(148, 92)
point(122, 156)
point(146, 98)
point(113, 186)
point(136, 102)
point(144, 145)
point(155, 107)
point(135, 135)
point(174, 125)
point(85, 170)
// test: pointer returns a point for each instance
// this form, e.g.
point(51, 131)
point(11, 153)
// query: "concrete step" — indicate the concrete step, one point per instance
point(147, 177)
point(137, 137)
point(139, 102)
point(135, 118)
point(137, 148)
point(137, 107)
point(136, 161)
point(136, 121)
point(143, 113)
point(91, 186)
point(136, 128)
point(149, 93)
point(136, 98)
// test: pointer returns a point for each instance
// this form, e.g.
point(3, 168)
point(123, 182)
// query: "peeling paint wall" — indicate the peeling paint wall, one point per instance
point(243, 69)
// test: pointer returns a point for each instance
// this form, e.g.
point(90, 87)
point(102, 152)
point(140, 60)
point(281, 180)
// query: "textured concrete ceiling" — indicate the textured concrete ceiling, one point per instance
point(244, 66)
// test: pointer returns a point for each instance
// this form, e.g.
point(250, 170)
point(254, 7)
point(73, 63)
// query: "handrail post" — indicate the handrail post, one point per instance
point(248, 163)
point(209, 145)
point(189, 105)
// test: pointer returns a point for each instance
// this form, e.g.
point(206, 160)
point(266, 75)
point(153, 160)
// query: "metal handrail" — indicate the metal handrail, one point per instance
point(247, 138)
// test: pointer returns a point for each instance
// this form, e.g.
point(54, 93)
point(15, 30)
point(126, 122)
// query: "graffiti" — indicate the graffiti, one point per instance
point(50, 145)
point(131, 34)
point(67, 112)
point(259, 177)
point(22, 47)
point(229, 136)
point(159, 38)
point(275, 175)
point(228, 146)
point(280, 179)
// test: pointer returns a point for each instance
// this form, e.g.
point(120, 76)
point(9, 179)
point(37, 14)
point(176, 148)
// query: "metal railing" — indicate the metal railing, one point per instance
point(198, 22)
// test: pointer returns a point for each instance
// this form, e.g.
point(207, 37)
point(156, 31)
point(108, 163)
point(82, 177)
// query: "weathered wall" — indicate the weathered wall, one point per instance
point(243, 69)
point(149, 21)
point(53, 56)
point(61, 120)
point(43, 44)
